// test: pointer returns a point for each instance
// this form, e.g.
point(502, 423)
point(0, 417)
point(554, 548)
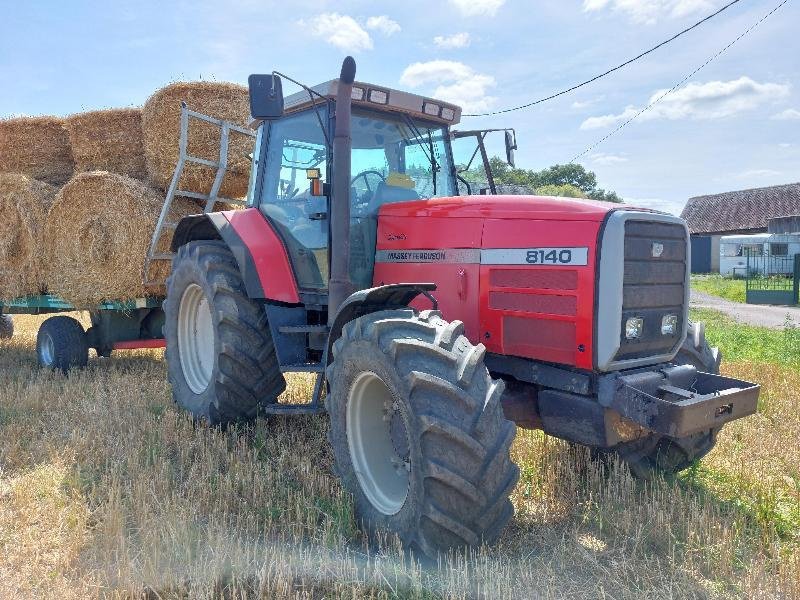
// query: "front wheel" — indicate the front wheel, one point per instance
point(418, 431)
point(220, 356)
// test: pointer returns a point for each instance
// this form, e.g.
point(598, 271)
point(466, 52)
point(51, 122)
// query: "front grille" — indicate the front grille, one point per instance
point(654, 285)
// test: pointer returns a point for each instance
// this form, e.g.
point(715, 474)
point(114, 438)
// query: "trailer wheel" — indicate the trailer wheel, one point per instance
point(6, 327)
point(663, 455)
point(220, 356)
point(418, 432)
point(61, 344)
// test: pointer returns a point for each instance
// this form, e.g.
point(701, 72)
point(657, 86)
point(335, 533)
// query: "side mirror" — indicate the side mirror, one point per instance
point(266, 96)
point(511, 145)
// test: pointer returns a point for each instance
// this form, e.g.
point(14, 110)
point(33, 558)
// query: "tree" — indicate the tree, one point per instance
point(558, 180)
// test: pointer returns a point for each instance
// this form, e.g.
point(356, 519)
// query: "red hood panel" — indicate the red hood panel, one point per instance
point(503, 207)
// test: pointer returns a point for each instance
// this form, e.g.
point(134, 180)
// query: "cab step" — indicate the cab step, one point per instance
point(304, 329)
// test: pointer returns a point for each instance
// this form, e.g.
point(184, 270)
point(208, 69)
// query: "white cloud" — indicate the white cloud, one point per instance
point(341, 31)
point(458, 83)
point(448, 42)
point(474, 8)
point(785, 144)
point(712, 100)
point(383, 24)
point(650, 11)
point(604, 159)
point(790, 114)
point(580, 104)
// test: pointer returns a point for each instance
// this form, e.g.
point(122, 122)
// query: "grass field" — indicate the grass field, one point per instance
point(106, 489)
point(717, 285)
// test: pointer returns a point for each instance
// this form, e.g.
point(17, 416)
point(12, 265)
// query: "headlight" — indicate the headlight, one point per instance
point(633, 327)
point(669, 324)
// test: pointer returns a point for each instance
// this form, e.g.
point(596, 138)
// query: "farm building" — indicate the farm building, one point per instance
point(738, 212)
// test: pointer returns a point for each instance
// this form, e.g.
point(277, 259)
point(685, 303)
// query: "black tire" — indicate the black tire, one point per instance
point(61, 344)
point(6, 327)
point(245, 374)
point(460, 473)
point(663, 455)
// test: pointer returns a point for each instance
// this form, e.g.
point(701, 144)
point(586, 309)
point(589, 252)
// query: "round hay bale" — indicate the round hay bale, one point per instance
point(38, 147)
point(108, 140)
point(161, 125)
point(24, 203)
point(98, 232)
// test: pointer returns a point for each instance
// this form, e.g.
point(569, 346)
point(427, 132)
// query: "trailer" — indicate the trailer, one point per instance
point(62, 342)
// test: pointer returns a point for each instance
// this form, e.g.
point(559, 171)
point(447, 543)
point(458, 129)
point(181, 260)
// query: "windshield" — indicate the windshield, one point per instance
point(397, 158)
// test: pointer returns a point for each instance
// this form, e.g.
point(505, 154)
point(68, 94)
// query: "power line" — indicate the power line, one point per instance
point(677, 85)
point(601, 75)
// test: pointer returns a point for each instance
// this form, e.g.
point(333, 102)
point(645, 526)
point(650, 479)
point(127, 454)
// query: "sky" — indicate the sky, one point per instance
point(734, 125)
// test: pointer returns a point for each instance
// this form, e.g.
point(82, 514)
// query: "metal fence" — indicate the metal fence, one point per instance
point(772, 279)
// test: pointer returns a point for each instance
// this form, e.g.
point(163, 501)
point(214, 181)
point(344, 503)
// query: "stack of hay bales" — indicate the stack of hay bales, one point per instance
point(88, 242)
point(24, 203)
point(108, 140)
point(37, 147)
point(161, 125)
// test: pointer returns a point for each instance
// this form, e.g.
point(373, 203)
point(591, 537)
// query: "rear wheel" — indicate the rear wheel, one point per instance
point(220, 355)
point(418, 432)
point(660, 454)
point(61, 344)
point(6, 327)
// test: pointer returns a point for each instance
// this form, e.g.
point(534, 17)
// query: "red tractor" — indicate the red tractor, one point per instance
point(435, 321)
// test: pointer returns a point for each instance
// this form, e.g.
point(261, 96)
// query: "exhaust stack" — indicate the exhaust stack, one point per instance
point(341, 285)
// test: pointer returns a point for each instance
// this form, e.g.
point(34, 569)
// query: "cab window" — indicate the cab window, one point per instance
point(294, 144)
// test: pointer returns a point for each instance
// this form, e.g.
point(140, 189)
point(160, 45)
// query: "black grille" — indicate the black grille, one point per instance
point(654, 285)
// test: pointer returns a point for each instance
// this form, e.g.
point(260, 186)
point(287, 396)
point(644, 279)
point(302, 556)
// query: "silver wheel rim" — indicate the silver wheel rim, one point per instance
point(47, 350)
point(382, 472)
point(195, 339)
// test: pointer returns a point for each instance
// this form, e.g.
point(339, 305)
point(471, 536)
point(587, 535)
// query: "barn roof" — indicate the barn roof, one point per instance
point(745, 211)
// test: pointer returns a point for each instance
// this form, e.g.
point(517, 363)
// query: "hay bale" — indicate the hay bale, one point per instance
point(161, 128)
point(24, 203)
point(98, 232)
point(38, 147)
point(108, 140)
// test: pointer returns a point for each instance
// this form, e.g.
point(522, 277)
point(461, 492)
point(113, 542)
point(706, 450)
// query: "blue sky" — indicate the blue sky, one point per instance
point(736, 124)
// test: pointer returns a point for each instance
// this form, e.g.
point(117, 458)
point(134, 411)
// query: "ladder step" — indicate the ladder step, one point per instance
point(304, 329)
point(294, 409)
point(188, 194)
point(202, 161)
point(303, 368)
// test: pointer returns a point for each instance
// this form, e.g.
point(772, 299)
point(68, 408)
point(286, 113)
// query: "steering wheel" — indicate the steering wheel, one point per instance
point(366, 181)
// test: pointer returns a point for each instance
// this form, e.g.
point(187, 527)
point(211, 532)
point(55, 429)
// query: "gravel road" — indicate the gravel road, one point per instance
point(774, 317)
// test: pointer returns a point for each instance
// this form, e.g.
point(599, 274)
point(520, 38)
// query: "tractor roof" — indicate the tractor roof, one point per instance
point(382, 98)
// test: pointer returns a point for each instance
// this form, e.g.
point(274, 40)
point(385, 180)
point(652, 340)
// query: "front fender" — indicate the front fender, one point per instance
point(259, 251)
point(364, 302)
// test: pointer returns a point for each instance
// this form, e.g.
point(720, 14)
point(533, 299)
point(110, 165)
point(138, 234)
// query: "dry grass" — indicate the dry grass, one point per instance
point(98, 232)
point(24, 202)
point(108, 140)
point(36, 146)
point(161, 126)
point(106, 489)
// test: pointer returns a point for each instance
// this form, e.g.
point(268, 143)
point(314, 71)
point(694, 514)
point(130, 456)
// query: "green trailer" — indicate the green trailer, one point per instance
point(63, 343)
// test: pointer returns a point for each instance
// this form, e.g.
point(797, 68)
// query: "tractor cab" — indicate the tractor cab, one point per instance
point(402, 148)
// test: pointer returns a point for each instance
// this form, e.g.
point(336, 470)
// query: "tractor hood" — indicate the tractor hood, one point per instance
point(505, 207)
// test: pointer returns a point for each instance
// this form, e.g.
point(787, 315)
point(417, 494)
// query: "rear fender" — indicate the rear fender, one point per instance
point(384, 297)
point(259, 251)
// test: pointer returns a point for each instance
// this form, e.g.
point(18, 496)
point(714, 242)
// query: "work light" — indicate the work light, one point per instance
point(633, 328)
point(669, 324)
